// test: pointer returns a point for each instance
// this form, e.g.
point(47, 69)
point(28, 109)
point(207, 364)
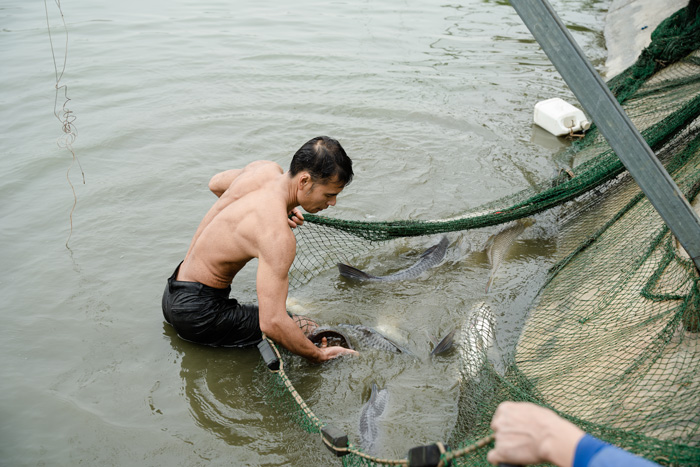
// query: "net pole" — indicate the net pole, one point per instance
point(612, 121)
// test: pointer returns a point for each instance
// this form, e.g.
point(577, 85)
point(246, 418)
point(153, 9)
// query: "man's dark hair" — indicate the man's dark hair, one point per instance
point(324, 158)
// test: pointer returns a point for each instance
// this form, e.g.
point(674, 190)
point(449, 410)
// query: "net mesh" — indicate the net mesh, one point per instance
point(612, 341)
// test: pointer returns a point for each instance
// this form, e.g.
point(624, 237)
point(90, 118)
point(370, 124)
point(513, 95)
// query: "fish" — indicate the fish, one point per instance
point(372, 338)
point(445, 344)
point(498, 245)
point(431, 257)
point(370, 415)
point(478, 335)
point(333, 337)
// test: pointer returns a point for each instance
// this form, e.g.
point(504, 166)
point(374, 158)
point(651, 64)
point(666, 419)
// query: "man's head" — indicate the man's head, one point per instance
point(324, 159)
point(321, 170)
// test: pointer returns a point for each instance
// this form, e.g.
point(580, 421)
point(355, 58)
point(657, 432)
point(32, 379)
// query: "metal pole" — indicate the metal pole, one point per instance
point(613, 123)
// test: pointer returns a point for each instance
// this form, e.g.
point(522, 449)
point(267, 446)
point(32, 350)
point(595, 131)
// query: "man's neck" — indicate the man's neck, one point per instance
point(290, 186)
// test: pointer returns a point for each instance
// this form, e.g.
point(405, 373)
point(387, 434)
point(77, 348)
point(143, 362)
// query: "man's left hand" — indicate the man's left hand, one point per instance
point(295, 218)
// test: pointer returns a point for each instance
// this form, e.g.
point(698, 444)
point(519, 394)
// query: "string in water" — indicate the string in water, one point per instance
point(64, 115)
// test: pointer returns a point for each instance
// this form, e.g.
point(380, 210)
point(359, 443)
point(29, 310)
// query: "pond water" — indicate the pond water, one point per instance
point(432, 101)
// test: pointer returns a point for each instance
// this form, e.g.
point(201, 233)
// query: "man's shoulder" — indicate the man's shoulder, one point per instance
point(266, 165)
point(251, 178)
point(258, 173)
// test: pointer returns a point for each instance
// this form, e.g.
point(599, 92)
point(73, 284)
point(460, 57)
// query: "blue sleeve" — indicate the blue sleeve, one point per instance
point(592, 452)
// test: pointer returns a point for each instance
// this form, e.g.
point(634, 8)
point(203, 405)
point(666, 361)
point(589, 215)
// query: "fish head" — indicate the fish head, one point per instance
point(333, 338)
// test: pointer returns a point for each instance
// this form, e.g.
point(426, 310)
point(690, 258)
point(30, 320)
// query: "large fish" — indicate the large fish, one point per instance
point(371, 338)
point(431, 257)
point(370, 415)
point(478, 335)
point(498, 245)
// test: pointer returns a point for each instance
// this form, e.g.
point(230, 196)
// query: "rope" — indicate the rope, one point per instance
point(445, 456)
point(352, 450)
point(290, 387)
point(451, 455)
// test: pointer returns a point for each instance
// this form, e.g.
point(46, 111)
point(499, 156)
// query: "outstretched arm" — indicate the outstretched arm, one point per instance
point(272, 284)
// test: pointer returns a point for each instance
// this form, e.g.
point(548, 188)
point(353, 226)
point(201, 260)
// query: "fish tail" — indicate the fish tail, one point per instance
point(489, 283)
point(373, 393)
point(353, 273)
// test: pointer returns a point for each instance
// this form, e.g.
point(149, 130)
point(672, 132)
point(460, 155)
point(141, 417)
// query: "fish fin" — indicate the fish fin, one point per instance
point(489, 282)
point(489, 242)
point(432, 338)
point(377, 400)
point(373, 394)
point(353, 273)
point(492, 277)
point(445, 344)
point(428, 251)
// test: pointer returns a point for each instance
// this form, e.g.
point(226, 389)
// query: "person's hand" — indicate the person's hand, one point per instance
point(333, 351)
point(295, 218)
point(526, 433)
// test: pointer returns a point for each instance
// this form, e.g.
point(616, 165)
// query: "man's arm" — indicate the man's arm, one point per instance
point(529, 434)
point(221, 181)
point(272, 284)
point(592, 452)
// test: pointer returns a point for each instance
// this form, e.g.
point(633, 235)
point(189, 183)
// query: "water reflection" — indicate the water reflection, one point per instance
point(216, 382)
point(545, 139)
point(225, 390)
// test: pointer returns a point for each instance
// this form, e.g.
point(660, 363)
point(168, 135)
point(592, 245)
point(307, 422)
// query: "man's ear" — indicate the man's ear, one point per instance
point(304, 180)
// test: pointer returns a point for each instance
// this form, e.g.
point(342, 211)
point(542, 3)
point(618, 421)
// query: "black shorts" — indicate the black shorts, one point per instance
point(206, 315)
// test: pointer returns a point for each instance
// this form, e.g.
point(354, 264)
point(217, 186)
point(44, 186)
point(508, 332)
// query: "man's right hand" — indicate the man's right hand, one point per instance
point(329, 353)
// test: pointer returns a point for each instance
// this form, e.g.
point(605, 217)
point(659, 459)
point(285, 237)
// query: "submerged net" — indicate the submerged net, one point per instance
point(612, 341)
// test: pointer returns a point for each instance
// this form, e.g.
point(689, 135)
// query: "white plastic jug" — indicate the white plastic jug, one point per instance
point(559, 117)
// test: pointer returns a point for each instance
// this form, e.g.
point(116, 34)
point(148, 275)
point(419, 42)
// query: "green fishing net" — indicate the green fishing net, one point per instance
point(612, 340)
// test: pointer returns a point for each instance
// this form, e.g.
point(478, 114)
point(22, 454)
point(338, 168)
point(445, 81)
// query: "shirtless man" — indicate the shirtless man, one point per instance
point(253, 218)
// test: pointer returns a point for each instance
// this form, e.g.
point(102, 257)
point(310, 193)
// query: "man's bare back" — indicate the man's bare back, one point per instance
point(249, 203)
point(253, 217)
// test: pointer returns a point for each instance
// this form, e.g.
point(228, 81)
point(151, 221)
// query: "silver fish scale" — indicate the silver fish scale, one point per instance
point(478, 337)
point(430, 258)
point(371, 338)
point(500, 243)
point(371, 412)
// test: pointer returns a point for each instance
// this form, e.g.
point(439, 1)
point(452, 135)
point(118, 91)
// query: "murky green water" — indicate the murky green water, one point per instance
point(432, 101)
